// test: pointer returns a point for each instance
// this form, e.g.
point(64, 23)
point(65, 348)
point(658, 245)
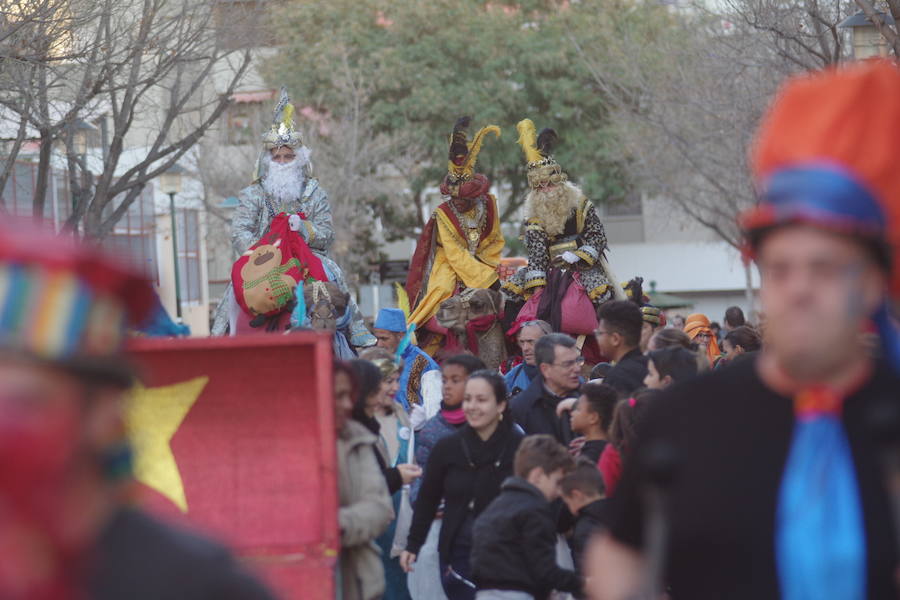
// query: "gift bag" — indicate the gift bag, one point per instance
point(528, 312)
point(579, 317)
point(265, 276)
point(405, 512)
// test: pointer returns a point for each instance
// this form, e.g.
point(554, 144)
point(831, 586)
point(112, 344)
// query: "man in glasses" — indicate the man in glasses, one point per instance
point(559, 365)
point(619, 337)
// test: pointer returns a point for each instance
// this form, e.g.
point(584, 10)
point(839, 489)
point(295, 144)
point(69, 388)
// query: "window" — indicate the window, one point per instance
point(245, 119)
point(134, 236)
point(18, 195)
point(188, 227)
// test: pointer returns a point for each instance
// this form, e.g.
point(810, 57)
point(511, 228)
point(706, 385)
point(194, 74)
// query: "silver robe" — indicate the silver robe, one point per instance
point(250, 222)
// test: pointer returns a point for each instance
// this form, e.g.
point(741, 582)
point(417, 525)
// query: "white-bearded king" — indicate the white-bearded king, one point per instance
point(284, 185)
point(562, 228)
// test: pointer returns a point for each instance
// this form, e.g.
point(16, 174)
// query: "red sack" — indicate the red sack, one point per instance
point(265, 276)
point(528, 312)
point(579, 317)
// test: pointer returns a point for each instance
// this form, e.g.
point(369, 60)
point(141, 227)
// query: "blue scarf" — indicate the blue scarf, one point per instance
point(820, 544)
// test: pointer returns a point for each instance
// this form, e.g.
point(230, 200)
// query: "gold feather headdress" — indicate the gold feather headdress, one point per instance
point(461, 165)
point(542, 167)
point(282, 132)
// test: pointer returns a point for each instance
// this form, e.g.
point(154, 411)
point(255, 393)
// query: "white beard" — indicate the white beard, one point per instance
point(283, 182)
point(553, 207)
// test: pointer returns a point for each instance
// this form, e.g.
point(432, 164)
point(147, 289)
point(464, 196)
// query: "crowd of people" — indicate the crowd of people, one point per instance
point(621, 454)
point(748, 460)
point(509, 476)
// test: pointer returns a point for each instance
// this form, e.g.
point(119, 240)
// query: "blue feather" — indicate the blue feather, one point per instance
point(405, 342)
point(298, 315)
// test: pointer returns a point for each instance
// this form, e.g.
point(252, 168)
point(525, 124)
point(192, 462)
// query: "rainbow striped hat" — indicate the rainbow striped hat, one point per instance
point(64, 302)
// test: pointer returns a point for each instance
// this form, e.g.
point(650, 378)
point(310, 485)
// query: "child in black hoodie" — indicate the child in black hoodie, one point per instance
point(585, 496)
point(514, 547)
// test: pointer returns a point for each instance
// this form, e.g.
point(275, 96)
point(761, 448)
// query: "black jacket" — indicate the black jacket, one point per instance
point(140, 558)
point(592, 518)
point(628, 374)
point(466, 472)
point(535, 411)
point(514, 544)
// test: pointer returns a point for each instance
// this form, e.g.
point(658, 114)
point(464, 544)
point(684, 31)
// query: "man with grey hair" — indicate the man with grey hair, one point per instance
point(520, 376)
point(559, 368)
point(284, 185)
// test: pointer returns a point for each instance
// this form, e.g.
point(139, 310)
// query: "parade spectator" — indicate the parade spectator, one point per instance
point(514, 550)
point(584, 493)
point(390, 329)
point(426, 579)
point(520, 377)
point(599, 372)
point(455, 373)
point(780, 488)
point(368, 400)
point(654, 320)
point(734, 318)
point(668, 366)
point(618, 336)
point(465, 469)
point(623, 436)
point(697, 328)
point(591, 418)
point(559, 363)
point(365, 506)
point(741, 343)
point(678, 322)
point(668, 337)
point(394, 435)
point(716, 330)
point(68, 526)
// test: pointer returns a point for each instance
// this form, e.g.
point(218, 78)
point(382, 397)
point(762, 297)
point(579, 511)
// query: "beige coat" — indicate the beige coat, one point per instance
point(365, 512)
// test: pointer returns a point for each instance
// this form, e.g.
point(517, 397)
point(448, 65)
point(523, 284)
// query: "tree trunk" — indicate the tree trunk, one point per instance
point(748, 289)
point(41, 186)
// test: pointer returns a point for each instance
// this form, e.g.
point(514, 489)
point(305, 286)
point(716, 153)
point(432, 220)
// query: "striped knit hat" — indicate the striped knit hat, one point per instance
point(63, 302)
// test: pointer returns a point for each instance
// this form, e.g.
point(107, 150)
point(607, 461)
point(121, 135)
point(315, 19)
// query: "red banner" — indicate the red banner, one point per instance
point(236, 435)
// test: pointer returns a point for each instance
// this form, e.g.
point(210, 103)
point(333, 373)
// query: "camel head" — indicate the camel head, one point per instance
point(471, 303)
point(325, 304)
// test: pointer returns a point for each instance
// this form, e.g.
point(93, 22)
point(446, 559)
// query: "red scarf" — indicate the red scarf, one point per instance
point(473, 327)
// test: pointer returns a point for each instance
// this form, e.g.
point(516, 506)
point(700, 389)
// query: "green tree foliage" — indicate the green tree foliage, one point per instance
point(423, 64)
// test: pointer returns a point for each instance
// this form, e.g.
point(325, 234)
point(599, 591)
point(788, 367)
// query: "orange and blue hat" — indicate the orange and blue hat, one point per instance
point(828, 154)
point(66, 303)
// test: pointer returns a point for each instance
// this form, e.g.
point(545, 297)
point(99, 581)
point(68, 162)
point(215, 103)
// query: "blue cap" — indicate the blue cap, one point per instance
point(391, 319)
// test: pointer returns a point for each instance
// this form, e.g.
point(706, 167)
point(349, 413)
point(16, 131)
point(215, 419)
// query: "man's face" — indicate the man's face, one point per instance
point(283, 155)
point(462, 204)
point(389, 340)
point(818, 290)
point(563, 372)
point(528, 336)
point(607, 340)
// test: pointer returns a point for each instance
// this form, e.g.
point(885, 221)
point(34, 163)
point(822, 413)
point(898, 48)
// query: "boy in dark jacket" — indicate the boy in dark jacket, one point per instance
point(584, 493)
point(514, 548)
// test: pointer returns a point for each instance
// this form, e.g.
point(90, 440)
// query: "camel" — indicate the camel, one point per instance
point(472, 318)
point(325, 308)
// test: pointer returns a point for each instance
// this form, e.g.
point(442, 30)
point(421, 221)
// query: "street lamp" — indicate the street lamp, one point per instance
point(170, 182)
point(865, 39)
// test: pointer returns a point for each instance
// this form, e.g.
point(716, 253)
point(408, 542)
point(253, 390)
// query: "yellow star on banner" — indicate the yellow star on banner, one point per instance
point(152, 416)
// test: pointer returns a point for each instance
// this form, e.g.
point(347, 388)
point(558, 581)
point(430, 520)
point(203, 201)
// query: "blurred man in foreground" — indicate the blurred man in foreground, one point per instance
point(65, 528)
point(772, 468)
